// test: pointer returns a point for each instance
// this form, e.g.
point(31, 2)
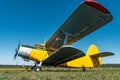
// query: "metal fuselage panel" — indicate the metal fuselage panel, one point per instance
point(36, 55)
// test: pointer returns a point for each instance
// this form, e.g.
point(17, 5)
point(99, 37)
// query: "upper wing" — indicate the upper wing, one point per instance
point(88, 17)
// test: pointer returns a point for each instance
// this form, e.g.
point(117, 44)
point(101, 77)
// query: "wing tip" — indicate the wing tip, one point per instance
point(97, 6)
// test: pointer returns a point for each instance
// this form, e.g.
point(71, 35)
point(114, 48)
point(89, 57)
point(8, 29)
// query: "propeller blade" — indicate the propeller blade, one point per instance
point(15, 55)
point(17, 51)
point(18, 45)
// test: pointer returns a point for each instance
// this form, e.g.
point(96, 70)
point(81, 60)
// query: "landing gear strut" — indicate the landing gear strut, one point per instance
point(83, 68)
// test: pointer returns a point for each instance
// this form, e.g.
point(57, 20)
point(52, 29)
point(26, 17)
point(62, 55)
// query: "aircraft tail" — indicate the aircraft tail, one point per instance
point(92, 50)
point(95, 55)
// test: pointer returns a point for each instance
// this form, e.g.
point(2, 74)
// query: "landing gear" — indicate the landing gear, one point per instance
point(83, 68)
point(37, 67)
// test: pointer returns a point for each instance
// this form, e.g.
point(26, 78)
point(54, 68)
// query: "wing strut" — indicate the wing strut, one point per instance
point(67, 34)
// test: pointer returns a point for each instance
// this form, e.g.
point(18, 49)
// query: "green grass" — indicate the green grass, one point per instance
point(52, 73)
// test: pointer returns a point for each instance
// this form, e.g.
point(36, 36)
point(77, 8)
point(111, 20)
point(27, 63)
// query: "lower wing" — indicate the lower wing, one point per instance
point(63, 55)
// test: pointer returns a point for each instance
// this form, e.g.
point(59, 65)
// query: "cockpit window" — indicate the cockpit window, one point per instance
point(39, 46)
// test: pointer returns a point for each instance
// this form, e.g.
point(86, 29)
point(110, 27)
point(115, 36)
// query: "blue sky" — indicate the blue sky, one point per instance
point(30, 21)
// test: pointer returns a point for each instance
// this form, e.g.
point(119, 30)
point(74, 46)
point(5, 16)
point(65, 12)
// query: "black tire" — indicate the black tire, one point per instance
point(37, 69)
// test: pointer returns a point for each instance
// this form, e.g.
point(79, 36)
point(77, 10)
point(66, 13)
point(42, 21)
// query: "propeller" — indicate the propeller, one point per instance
point(17, 51)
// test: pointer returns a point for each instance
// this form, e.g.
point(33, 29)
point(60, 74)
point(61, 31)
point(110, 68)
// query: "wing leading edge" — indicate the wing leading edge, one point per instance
point(88, 17)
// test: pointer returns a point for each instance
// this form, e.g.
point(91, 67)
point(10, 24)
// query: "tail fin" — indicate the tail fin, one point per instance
point(93, 50)
point(95, 55)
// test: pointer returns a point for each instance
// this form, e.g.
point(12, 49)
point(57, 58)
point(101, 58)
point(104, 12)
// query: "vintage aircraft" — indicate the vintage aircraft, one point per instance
point(88, 17)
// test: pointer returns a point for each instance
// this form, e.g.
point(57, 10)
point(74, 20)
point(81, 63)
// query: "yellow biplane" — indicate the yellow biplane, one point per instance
point(88, 17)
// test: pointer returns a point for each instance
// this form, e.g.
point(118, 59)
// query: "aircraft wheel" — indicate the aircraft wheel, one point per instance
point(37, 69)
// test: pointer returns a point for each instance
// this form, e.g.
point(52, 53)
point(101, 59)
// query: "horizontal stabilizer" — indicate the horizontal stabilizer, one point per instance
point(63, 55)
point(103, 54)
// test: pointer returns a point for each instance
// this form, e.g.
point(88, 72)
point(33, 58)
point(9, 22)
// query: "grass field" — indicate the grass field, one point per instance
point(56, 73)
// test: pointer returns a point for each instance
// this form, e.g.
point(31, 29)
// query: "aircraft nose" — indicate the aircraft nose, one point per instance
point(24, 52)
